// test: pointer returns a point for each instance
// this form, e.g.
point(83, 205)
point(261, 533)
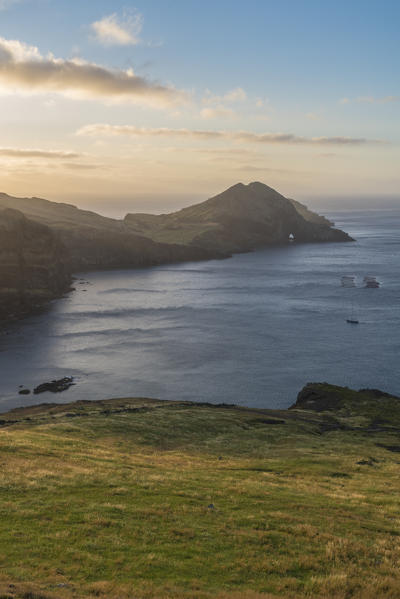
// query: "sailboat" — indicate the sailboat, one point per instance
point(352, 319)
point(350, 281)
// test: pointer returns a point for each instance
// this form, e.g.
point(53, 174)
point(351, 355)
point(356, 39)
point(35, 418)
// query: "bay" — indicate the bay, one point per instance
point(249, 330)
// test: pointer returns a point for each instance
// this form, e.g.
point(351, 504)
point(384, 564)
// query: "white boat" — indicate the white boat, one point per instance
point(371, 282)
point(348, 281)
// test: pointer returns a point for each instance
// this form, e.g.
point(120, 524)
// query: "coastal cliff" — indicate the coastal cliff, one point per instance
point(95, 242)
point(32, 264)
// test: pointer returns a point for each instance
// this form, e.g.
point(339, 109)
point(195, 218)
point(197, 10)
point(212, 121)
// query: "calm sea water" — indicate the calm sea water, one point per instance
point(250, 330)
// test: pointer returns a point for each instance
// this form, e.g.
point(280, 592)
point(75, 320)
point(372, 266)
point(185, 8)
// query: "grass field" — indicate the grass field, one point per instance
point(139, 498)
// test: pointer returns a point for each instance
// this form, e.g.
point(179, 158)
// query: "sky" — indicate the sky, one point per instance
point(152, 105)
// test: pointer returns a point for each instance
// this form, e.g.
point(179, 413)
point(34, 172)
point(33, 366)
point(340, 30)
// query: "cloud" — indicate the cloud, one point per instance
point(228, 152)
point(219, 112)
point(262, 169)
point(365, 99)
point(371, 100)
point(23, 68)
point(387, 99)
point(234, 95)
point(27, 153)
point(78, 166)
point(111, 31)
point(262, 102)
point(216, 108)
point(101, 129)
point(312, 116)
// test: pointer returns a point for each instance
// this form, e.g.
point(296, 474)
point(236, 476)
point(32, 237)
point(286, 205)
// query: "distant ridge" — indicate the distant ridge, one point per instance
point(92, 241)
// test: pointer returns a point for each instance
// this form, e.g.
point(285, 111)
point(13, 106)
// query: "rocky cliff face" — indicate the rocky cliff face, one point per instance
point(32, 264)
point(309, 215)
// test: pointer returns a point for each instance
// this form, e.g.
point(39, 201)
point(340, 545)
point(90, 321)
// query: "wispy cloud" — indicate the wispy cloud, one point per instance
point(112, 30)
point(23, 67)
point(251, 168)
point(370, 100)
point(234, 95)
point(32, 153)
point(383, 100)
point(84, 166)
point(217, 112)
point(262, 102)
point(216, 105)
point(101, 129)
point(227, 152)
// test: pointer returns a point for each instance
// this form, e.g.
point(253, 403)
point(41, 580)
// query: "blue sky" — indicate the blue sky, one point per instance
point(311, 70)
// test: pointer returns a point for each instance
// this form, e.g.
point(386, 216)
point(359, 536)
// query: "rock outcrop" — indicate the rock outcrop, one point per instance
point(323, 397)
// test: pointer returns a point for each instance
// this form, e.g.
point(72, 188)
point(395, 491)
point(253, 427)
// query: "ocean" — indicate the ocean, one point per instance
point(250, 330)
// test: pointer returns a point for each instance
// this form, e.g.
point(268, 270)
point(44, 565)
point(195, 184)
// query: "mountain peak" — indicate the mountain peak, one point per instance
point(256, 186)
point(241, 194)
point(261, 187)
point(236, 187)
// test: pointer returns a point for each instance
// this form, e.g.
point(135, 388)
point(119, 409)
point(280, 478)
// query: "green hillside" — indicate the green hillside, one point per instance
point(141, 498)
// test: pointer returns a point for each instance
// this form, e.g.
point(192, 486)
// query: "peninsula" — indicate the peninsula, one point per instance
point(42, 243)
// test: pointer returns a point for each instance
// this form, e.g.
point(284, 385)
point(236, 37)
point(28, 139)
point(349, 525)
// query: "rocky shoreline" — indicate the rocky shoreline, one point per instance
point(54, 386)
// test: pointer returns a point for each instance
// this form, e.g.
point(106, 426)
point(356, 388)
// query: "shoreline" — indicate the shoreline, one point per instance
point(313, 398)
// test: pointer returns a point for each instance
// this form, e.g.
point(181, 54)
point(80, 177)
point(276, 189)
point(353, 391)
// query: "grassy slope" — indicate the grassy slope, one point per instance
point(169, 228)
point(111, 499)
